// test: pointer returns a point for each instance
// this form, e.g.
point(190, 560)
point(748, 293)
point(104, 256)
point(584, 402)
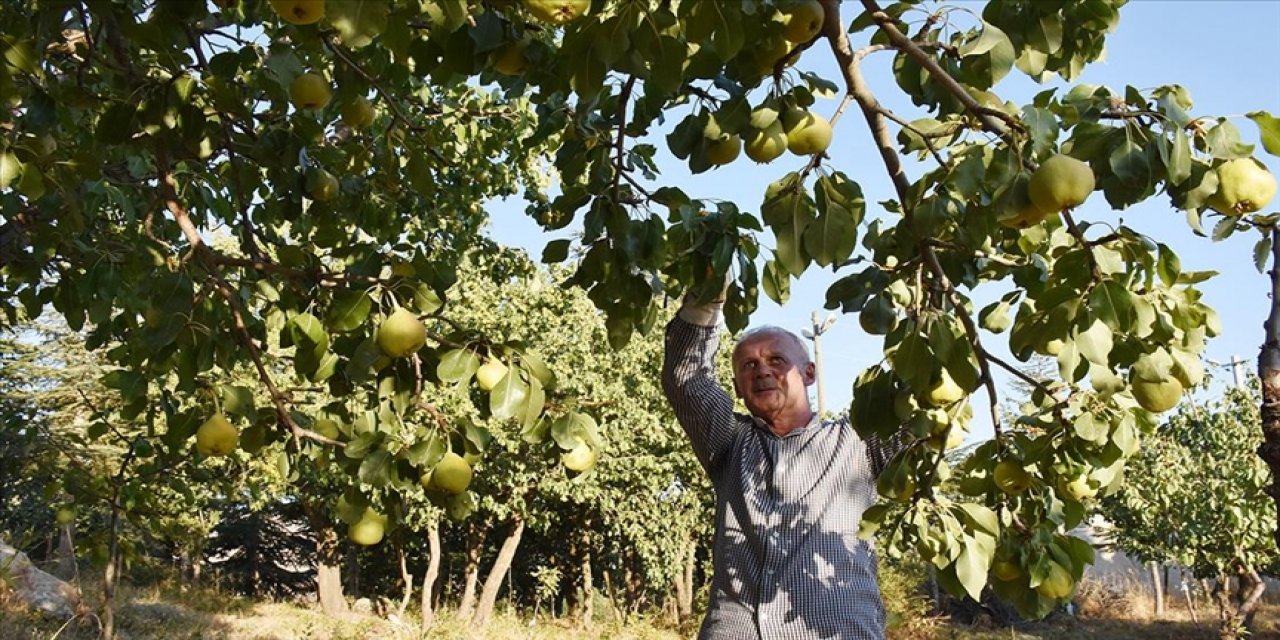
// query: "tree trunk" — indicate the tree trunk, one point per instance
point(433, 572)
point(67, 567)
point(351, 571)
point(493, 583)
point(1269, 374)
point(475, 541)
point(1229, 622)
point(407, 578)
point(685, 601)
point(109, 576)
point(329, 570)
point(618, 616)
point(1157, 581)
point(588, 584)
point(1250, 595)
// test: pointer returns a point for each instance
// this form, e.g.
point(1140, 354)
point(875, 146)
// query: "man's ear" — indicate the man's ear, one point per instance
point(810, 373)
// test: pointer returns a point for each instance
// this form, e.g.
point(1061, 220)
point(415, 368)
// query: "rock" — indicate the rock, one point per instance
point(39, 590)
point(363, 606)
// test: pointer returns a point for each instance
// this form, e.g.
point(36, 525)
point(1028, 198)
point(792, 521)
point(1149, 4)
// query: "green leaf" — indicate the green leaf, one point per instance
point(1261, 251)
point(566, 432)
point(130, 384)
point(1168, 266)
point(425, 299)
point(777, 282)
point(914, 361)
point(533, 405)
point(238, 401)
point(426, 453)
point(362, 444)
point(1268, 129)
point(458, 365)
point(507, 399)
point(1112, 303)
point(375, 469)
point(971, 567)
point(1095, 343)
point(349, 311)
point(1178, 162)
point(556, 251)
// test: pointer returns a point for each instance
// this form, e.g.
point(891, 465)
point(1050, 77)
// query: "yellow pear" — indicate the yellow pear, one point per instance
point(490, 374)
point(1077, 488)
point(581, 458)
point(557, 12)
point(765, 145)
point(452, 474)
point(1006, 570)
point(723, 150)
point(1061, 182)
point(322, 185)
point(358, 113)
point(1157, 397)
point(1011, 477)
point(1058, 584)
point(802, 20)
point(1244, 186)
point(511, 61)
point(369, 529)
point(217, 436)
point(944, 391)
point(299, 11)
point(310, 91)
point(807, 133)
point(401, 334)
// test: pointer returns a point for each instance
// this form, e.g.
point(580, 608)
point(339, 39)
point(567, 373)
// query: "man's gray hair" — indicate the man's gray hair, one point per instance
point(772, 330)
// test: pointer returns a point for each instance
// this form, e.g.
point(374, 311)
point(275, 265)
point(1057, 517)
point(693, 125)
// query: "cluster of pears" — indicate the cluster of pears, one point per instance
point(1059, 184)
point(939, 414)
point(800, 22)
point(769, 133)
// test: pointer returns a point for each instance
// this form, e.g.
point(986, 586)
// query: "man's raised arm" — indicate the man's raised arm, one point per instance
point(700, 403)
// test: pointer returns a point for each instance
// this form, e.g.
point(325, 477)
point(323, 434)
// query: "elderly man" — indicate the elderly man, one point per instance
point(790, 488)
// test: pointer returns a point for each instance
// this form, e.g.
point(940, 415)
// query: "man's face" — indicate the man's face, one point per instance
point(770, 374)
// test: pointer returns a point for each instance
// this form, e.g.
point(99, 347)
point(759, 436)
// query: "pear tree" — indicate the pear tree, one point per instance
point(201, 189)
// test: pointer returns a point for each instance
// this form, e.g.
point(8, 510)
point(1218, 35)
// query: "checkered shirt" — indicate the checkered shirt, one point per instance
point(788, 563)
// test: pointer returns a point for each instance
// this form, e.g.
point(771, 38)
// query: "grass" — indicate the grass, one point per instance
point(168, 611)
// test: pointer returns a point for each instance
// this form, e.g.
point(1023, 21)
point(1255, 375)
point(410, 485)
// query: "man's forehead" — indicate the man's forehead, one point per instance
point(771, 342)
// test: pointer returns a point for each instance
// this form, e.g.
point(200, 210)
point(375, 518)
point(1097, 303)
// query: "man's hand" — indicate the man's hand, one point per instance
point(705, 314)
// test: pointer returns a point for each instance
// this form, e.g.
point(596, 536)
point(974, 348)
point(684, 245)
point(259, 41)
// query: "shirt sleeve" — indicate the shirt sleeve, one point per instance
point(702, 406)
point(881, 451)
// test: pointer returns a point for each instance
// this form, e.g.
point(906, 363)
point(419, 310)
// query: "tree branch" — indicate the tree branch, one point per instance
point(206, 257)
point(992, 120)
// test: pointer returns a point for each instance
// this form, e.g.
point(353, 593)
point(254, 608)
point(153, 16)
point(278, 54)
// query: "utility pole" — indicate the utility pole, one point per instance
point(1237, 371)
point(815, 334)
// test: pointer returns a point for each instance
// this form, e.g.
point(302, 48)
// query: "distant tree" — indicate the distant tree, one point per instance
point(264, 552)
point(1196, 496)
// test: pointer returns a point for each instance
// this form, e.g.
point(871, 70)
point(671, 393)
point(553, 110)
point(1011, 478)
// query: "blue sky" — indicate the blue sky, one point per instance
point(1225, 53)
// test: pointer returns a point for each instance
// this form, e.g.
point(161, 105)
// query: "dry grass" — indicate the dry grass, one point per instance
point(168, 612)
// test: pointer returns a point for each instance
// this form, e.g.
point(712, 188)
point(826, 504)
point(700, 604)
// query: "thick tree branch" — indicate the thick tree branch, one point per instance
point(206, 257)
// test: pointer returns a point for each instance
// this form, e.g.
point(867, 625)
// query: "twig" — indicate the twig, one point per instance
point(391, 101)
point(994, 121)
point(1079, 236)
point(623, 98)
